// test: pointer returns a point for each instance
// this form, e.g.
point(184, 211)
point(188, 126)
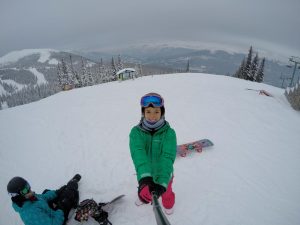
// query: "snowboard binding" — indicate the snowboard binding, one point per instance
point(189, 147)
point(197, 146)
point(89, 208)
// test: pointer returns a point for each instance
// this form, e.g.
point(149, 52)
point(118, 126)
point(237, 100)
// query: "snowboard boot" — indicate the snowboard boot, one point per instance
point(76, 178)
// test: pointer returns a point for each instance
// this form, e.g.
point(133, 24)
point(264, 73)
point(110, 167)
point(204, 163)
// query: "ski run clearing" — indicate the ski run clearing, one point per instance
point(251, 176)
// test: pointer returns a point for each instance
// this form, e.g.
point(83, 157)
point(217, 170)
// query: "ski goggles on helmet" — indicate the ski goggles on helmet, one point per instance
point(25, 190)
point(155, 100)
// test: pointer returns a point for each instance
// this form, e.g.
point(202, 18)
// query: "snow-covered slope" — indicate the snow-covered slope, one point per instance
point(251, 175)
point(15, 56)
point(27, 67)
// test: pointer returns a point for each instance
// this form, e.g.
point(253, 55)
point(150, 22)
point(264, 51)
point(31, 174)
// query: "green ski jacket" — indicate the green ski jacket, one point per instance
point(153, 155)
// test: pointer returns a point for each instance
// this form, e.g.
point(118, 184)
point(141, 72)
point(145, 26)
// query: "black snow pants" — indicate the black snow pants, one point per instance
point(67, 198)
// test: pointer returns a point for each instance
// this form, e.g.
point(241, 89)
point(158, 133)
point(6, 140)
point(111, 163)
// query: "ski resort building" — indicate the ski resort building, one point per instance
point(126, 73)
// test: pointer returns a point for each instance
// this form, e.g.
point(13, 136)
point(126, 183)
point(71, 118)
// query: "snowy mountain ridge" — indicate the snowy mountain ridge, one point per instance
point(250, 176)
point(32, 67)
point(14, 56)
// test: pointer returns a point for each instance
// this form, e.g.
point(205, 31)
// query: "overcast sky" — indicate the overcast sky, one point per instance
point(272, 25)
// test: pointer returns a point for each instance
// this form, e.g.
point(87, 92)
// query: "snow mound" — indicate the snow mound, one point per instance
point(250, 176)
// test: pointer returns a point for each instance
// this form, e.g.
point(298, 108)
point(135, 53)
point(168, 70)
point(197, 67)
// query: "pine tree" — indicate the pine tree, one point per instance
point(260, 72)
point(100, 75)
point(188, 66)
point(65, 80)
point(84, 78)
point(138, 70)
point(254, 68)
point(246, 72)
point(240, 72)
point(90, 77)
point(78, 78)
point(73, 75)
point(59, 76)
point(63, 70)
point(141, 72)
point(120, 65)
point(103, 69)
point(113, 70)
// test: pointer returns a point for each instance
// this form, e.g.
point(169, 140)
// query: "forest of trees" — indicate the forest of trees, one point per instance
point(29, 94)
point(67, 78)
point(250, 68)
point(87, 75)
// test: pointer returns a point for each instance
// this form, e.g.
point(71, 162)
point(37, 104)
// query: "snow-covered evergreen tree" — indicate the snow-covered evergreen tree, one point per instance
point(84, 74)
point(113, 70)
point(253, 68)
point(240, 72)
point(260, 72)
point(102, 72)
point(246, 72)
point(90, 77)
point(188, 66)
point(120, 65)
point(72, 74)
point(249, 69)
point(138, 70)
point(66, 74)
point(59, 76)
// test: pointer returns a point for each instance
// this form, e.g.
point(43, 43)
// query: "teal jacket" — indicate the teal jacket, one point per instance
point(153, 154)
point(38, 212)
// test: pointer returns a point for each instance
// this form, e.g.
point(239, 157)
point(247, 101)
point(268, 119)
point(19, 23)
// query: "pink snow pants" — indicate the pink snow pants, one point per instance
point(168, 198)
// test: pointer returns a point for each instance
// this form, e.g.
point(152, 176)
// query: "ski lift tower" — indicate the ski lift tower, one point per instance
point(296, 60)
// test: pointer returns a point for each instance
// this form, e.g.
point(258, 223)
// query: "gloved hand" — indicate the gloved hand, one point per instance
point(145, 187)
point(158, 189)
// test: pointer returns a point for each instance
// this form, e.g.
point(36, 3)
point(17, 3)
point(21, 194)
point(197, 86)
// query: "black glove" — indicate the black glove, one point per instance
point(158, 190)
point(146, 181)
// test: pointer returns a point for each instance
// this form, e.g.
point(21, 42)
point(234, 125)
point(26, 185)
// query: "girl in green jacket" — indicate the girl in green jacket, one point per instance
point(153, 151)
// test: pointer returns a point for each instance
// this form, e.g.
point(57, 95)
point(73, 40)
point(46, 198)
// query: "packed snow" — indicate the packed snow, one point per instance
point(40, 77)
point(250, 176)
point(14, 56)
point(53, 62)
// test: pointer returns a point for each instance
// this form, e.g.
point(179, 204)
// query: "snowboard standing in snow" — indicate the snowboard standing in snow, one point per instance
point(90, 208)
point(183, 149)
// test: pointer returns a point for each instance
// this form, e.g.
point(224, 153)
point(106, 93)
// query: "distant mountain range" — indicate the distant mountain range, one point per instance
point(29, 67)
point(222, 62)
